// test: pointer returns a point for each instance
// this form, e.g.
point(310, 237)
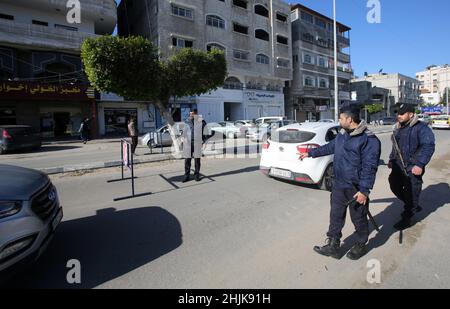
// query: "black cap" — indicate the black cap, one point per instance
point(405, 108)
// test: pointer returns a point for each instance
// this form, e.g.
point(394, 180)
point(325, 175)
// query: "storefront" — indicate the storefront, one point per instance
point(54, 110)
point(114, 114)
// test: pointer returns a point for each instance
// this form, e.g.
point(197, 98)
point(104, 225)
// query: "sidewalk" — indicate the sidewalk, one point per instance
point(73, 156)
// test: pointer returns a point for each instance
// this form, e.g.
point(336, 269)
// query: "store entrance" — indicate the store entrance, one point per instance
point(116, 121)
point(61, 124)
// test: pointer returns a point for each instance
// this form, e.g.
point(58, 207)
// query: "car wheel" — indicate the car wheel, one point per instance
point(151, 144)
point(327, 180)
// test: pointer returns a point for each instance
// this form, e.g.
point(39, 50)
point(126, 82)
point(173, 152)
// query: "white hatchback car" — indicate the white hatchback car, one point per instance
point(280, 154)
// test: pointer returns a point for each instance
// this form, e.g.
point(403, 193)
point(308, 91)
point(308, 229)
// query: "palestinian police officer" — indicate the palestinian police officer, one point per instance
point(413, 147)
point(356, 156)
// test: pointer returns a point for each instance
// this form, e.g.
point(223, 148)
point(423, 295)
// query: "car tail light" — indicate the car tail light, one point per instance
point(6, 134)
point(306, 147)
point(266, 145)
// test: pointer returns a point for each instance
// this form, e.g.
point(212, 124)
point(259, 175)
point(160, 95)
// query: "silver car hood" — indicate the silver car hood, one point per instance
point(19, 184)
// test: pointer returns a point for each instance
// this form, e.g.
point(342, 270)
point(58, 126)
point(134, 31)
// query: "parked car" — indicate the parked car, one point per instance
point(262, 120)
point(424, 118)
point(244, 126)
point(160, 137)
point(388, 121)
point(13, 138)
point(227, 129)
point(29, 215)
point(327, 120)
point(264, 131)
point(280, 154)
point(441, 122)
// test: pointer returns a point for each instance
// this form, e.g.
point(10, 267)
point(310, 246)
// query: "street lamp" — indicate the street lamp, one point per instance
point(446, 79)
point(336, 90)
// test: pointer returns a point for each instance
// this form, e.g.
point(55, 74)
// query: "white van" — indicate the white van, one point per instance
point(262, 120)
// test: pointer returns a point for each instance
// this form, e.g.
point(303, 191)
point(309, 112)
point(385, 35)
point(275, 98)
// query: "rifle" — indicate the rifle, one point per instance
point(353, 203)
point(398, 154)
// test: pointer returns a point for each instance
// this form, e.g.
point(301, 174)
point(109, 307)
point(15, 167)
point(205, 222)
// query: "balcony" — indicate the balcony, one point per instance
point(40, 37)
point(343, 57)
point(343, 40)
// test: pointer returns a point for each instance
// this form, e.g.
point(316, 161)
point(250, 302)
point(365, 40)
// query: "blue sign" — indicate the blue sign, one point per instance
point(431, 110)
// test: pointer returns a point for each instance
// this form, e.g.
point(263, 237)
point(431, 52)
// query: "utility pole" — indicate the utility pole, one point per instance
point(336, 90)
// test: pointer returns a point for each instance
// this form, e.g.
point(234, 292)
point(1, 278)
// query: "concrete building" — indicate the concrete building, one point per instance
point(255, 36)
point(311, 92)
point(364, 93)
point(402, 88)
point(41, 76)
point(433, 82)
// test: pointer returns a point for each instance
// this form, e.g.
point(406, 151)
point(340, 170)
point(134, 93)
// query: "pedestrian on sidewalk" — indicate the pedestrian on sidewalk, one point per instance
point(84, 130)
point(193, 138)
point(416, 145)
point(357, 153)
point(134, 133)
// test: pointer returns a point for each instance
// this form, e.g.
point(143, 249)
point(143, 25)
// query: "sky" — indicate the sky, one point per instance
point(412, 34)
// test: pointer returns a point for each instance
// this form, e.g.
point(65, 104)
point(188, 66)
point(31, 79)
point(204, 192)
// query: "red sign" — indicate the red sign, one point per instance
point(39, 91)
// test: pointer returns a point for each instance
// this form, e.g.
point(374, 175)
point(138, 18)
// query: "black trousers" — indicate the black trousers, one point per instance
point(338, 213)
point(406, 189)
point(134, 143)
point(187, 166)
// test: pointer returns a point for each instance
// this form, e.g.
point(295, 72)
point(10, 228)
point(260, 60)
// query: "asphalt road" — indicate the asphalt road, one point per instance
point(236, 229)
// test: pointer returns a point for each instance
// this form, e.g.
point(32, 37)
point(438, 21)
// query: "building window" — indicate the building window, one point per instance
point(58, 26)
point(39, 23)
point(282, 40)
point(240, 55)
point(181, 43)
point(210, 46)
point(262, 35)
point(261, 58)
point(240, 3)
point(308, 81)
point(322, 42)
point(321, 23)
point(323, 62)
point(182, 12)
point(261, 10)
point(281, 17)
point(232, 83)
point(6, 16)
point(240, 29)
point(323, 83)
point(308, 59)
point(215, 21)
point(307, 17)
point(283, 63)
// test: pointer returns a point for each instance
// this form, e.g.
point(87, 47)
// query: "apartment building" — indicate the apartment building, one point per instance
point(256, 39)
point(433, 83)
point(310, 95)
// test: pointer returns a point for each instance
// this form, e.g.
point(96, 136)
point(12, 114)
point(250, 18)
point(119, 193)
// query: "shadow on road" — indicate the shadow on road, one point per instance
point(108, 245)
point(43, 149)
point(432, 198)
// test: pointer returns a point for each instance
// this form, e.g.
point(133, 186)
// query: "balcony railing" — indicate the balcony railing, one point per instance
point(40, 36)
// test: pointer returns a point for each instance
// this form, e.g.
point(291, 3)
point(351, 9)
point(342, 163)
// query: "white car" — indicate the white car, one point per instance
point(441, 122)
point(262, 120)
point(280, 154)
point(226, 129)
point(160, 137)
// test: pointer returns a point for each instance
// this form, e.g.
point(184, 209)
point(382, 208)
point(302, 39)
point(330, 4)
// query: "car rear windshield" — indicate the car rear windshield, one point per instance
point(292, 136)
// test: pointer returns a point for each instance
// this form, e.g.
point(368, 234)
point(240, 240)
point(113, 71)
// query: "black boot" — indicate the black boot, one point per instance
point(197, 177)
point(403, 224)
point(330, 249)
point(357, 251)
point(186, 179)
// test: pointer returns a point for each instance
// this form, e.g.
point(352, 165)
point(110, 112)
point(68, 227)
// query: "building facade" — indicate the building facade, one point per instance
point(433, 83)
point(404, 89)
point(364, 93)
point(311, 92)
point(42, 83)
point(255, 36)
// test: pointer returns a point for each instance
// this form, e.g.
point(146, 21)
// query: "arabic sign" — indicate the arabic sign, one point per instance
point(37, 91)
point(432, 110)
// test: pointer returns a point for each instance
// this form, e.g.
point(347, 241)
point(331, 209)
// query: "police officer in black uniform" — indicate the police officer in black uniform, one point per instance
point(416, 145)
point(356, 156)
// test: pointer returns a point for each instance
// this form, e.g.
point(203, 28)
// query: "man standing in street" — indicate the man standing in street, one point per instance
point(356, 156)
point(133, 132)
point(413, 146)
point(85, 130)
point(193, 138)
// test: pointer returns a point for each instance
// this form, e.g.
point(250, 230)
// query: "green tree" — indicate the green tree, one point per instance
point(374, 108)
point(131, 67)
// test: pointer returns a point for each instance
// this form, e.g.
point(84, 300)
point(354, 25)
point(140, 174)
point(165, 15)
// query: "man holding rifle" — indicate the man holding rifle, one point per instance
point(413, 146)
point(356, 156)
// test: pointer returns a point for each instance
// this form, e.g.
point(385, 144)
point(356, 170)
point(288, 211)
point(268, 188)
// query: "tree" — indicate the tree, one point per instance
point(131, 67)
point(374, 108)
